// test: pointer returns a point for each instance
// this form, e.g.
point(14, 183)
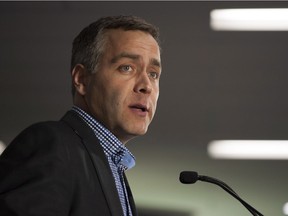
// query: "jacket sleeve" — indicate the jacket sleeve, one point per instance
point(35, 177)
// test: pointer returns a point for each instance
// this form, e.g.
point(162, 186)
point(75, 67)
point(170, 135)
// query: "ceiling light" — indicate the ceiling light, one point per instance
point(2, 147)
point(249, 149)
point(285, 209)
point(268, 19)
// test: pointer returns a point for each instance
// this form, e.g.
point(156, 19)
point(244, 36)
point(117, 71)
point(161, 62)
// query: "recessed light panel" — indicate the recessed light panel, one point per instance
point(249, 149)
point(268, 19)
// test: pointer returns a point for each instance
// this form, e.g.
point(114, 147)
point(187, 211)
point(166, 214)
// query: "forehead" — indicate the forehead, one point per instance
point(131, 40)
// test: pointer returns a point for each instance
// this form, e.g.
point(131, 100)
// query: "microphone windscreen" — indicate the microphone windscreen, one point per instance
point(188, 177)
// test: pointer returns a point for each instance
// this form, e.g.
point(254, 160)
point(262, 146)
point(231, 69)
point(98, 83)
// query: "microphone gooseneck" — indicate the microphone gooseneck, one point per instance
point(190, 177)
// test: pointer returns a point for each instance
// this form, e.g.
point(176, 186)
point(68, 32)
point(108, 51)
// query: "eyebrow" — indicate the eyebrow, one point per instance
point(155, 62)
point(132, 56)
point(124, 55)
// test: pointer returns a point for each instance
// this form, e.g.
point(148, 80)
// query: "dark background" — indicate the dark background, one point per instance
point(214, 85)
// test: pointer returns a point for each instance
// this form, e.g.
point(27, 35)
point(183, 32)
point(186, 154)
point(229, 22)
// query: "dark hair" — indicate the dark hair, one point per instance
point(89, 44)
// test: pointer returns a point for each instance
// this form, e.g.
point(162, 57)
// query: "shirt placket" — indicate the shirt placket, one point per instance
point(121, 175)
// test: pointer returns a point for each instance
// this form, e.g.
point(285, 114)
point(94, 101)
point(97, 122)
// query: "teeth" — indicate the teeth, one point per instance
point(143, 109)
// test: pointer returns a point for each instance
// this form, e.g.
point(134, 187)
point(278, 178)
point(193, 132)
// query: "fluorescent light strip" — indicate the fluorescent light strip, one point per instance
point(2, 147)
point(285, 209)
point(261, 19)
point(249, 149)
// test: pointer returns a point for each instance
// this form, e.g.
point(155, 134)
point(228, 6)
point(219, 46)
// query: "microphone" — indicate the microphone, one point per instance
point(190, 177)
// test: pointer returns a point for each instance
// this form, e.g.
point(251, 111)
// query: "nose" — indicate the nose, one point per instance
point(143, 84)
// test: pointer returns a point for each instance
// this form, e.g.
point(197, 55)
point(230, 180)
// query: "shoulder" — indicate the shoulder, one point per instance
point(49, 130)
point(45, 128)
point(41, 138)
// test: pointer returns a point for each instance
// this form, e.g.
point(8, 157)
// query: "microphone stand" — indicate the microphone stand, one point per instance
point(223, 185)
point(190, 177)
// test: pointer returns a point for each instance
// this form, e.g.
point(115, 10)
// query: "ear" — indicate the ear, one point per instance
point(80, 79)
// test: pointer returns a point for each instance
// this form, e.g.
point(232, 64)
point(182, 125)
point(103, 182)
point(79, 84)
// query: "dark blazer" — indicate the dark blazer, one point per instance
point(58, 169)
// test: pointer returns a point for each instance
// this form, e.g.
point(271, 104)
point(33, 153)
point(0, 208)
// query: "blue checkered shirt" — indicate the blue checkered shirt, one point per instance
point(119, 157)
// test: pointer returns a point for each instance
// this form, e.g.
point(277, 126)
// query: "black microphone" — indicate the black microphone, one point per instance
point(190, 177)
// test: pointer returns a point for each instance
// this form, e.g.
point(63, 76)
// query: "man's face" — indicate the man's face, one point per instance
point(122, 94)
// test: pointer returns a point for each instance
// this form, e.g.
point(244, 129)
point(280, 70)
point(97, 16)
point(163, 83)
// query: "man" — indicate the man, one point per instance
point(76, 166)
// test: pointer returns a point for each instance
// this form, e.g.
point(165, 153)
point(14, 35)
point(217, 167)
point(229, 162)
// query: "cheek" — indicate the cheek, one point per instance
point(155, 97)
point(98, 97)
point(154, 102)
point(117, 99)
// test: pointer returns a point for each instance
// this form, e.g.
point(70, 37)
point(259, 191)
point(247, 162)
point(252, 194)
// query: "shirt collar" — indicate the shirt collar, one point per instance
point(111, 145)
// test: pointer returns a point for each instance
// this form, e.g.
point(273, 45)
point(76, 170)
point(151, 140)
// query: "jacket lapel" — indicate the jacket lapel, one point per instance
point(130, 197)
point(99, 160)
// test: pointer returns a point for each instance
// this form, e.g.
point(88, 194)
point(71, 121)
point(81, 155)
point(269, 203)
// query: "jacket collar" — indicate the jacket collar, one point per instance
point(98, 159)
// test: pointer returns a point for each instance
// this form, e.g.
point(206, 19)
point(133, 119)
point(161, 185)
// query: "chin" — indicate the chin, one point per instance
point(141, 132)
point(134, 130)
point(136, 133)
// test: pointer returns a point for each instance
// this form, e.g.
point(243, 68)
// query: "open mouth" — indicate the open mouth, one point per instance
point(139, 107)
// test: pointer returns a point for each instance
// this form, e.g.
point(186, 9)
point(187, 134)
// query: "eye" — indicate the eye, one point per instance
point(125, 68)
point(154, 75)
